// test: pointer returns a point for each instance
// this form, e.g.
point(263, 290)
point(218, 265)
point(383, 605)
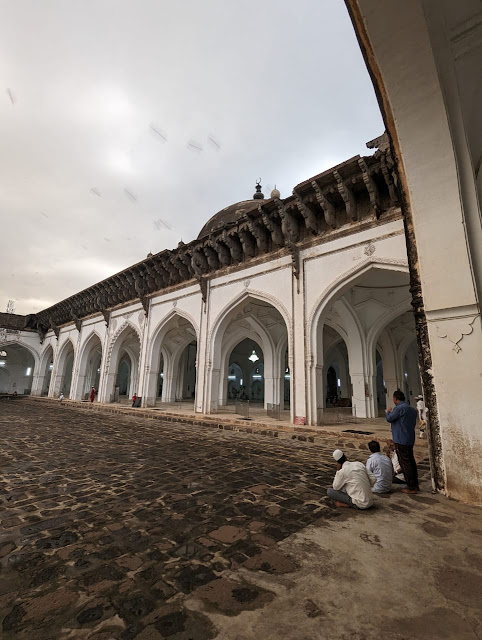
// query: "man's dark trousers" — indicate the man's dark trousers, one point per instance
point(408, 464)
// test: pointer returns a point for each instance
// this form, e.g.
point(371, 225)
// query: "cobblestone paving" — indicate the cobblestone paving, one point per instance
point(109, 522)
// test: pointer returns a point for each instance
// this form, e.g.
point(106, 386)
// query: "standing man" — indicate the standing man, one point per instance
point(352, 485)
point(403, 419)
point(92, 394)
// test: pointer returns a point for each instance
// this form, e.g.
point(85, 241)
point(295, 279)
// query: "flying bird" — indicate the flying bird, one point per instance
point(130, 195)
point(192, 144)
point(157, 224)
point(212, 140)
point(159, 133)
point(95, 191)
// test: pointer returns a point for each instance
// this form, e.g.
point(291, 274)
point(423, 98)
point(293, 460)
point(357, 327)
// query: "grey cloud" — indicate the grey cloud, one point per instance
point(280, 87)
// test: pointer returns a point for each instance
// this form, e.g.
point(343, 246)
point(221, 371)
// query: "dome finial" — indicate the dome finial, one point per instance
point(275, 193)
point(258, 195)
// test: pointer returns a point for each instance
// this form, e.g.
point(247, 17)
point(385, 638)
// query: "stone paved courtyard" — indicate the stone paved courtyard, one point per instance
point(117, 527)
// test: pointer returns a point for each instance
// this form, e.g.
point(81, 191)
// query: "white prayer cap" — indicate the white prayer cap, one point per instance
point(338, 454)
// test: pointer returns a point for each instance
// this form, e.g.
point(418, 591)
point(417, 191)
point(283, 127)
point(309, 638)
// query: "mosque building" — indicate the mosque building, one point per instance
point(296, 304)
point(325, 296)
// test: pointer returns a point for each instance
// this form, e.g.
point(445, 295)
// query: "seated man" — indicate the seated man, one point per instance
point(352, 484)
point(381, 467)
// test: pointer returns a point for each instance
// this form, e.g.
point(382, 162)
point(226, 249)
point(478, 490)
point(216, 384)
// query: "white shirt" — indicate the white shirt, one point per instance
point(354, 478)
point(382, 469)
point(422, 410)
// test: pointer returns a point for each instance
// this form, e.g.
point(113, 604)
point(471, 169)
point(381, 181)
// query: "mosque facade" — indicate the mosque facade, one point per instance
point(294, 304)
point(326, 286)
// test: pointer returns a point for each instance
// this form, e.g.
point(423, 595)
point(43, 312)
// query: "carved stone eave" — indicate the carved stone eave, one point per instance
point(370, 186)
point(326, 205)
point(348, 196)
point(318, 208)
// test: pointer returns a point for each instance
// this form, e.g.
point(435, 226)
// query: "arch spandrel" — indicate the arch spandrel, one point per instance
point(343, 282)
point(244, 296)
point(35, 355)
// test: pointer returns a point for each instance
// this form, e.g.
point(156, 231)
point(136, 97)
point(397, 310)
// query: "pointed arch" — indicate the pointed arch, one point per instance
point(86, 377)
point(116, 343)
point(344, 282)
point(45, 371)
point(124, 327)
point(244, 296)
point(63, 368)
point(217, 360)
point(161, 329)
point(29, 348)
point(172, 352)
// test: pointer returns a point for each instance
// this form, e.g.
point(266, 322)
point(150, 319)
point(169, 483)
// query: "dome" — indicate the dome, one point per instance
point(228, 215)
point(231, 214)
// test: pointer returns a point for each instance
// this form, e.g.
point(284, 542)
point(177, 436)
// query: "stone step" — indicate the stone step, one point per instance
point(323, 438)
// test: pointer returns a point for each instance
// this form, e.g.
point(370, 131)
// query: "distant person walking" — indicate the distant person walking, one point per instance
point(352, 485)
point(61, 397)
point(92, 394)
point(422, 415)
point(134, 398)
point(403, 419)
point(421, 408)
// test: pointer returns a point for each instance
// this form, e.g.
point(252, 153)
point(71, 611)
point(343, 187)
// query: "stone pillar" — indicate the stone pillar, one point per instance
point(205, 391)
point(425, 82)
point(215, 383)
point(151, 385)
point(143, 366)
point(360, 394)
point(297, 357)
point(319, 399)
point(79, 391)
point(271, 385)
point(55, 384)
point(37, 383)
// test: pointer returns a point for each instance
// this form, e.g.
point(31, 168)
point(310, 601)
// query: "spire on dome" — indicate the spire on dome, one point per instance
point(258, 195)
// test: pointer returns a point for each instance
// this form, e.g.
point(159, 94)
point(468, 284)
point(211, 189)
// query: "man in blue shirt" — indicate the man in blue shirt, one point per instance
point(403, 419)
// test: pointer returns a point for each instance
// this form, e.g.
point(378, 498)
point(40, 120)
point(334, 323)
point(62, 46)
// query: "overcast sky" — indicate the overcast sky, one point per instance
point(120, 118)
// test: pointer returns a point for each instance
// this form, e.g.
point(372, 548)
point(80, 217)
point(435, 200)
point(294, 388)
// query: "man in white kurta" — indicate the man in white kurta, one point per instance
point(352, 485)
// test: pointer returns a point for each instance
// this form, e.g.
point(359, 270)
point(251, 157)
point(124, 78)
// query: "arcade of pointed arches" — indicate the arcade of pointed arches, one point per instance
point(360, 332)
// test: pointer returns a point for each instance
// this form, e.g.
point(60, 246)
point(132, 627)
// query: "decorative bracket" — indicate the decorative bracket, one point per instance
point(77, 321)
point(295, 260)
point(203, 283)
point(370, 186)
point(145, 304)
point(325, 204)
point(348, 197)
point(455, 330)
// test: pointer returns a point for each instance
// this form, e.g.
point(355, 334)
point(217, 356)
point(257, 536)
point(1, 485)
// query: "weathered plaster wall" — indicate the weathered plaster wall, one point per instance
point(413, 51)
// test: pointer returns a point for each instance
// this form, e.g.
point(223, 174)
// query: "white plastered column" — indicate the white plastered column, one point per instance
point(389, 364)
point(415, 67)
point(40, 372)
point(362, 402)
point(298, 369)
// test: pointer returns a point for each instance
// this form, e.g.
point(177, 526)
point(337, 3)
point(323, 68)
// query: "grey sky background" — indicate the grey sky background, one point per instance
point(273, 89)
